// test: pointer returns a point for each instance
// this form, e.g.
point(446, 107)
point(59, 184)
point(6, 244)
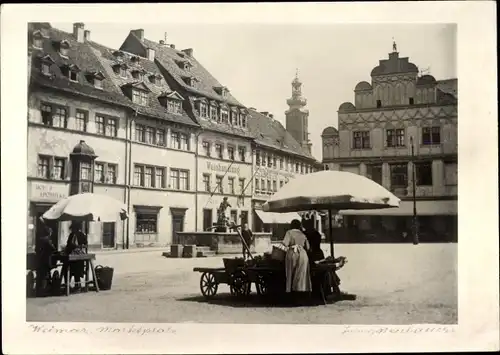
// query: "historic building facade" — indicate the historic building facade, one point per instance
point(223, 144)
point(170, 140)
point(400, 111)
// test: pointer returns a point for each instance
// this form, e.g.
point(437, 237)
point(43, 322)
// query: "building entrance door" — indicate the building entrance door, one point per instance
point(108, 235)
point(207, 219)
point(178, 216)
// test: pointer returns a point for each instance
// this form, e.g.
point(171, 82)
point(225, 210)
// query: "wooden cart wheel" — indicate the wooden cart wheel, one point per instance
point(30, 284)
point(240, 285)
point(208, 285)
point(261, 284)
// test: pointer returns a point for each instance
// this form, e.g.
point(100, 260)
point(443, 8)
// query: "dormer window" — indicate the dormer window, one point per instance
point(121, 69)
point(213, 112)
point(37, 40)
point(135, 59)
point(45, 63)
point(97, 83)
point(243, 121)
point(191, 81)
point(96, 79)
point(64, 48)
point(139, 97)
point(119, 54)
point(224, 115)
point(71, 72)
point(203, 109)
point(234, 117)
point(184, 64)
point(172, 101)
point(46, 68)
point(174, 106)
point(221, 90)
point(155, 79)
point(138, 74)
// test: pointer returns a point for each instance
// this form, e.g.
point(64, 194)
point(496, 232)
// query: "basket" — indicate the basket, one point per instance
point(278, 252)
point(104, 275)
point(231, 265)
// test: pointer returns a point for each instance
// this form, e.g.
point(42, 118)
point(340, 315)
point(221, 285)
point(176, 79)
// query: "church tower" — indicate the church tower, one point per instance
point(297, 115)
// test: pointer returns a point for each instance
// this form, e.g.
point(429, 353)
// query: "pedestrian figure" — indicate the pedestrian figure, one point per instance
point(44, 250)
point(77, 243)
point(247, 235)
point(297, 268)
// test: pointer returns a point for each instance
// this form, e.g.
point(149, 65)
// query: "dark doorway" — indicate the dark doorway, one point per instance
point(39, 226)
point(108, 234)
point(207, 219)
point(244, 217)
point(178, 216)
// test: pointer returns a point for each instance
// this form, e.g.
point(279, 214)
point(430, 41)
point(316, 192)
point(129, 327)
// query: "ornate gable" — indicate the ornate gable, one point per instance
point(137, 86)
point(174, 95)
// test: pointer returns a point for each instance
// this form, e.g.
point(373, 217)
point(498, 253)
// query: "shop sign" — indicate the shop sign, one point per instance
point(222, 168)
point(48, 192)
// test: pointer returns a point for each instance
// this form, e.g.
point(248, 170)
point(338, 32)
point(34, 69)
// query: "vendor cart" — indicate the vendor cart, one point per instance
point(266, 273)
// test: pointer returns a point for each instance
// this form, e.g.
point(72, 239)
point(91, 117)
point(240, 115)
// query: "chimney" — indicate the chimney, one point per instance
point(271, 115)
point(139, 33)
point(162, 42)
point(78, 29)
point(188, 51)
point(86, 35)
point(172, 46)
point(265, 113)
point(151, 54)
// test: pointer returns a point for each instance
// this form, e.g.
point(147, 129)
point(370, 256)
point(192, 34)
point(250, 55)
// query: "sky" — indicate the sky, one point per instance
point(257, 62)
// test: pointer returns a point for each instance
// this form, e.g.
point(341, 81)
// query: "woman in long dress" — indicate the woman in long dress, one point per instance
point(77, 243)
point(298, 278)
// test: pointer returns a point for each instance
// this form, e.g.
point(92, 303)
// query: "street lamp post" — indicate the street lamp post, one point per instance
point(413, 171)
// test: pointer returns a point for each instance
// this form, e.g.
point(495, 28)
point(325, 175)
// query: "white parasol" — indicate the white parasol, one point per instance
point(87, 207)
point(331, 190)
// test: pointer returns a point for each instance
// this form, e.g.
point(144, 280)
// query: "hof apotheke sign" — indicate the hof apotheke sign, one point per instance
point(48, 192)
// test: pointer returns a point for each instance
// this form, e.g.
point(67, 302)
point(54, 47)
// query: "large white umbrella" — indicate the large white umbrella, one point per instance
point(331, 190)
point(87, 207)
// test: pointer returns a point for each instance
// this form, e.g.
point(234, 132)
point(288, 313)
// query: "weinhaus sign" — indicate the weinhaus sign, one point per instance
point(223, 168)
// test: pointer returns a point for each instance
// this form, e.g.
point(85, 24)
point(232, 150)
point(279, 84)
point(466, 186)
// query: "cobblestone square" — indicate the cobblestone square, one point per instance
point(394, 283)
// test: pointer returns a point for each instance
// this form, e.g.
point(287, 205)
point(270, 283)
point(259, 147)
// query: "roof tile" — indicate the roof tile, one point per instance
point(271, 133)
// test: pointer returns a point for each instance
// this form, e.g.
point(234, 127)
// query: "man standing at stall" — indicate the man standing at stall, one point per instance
point(44, 251)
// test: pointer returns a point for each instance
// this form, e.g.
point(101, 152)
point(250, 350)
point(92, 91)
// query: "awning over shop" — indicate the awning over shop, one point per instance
point(277, 218)
point(424, 208)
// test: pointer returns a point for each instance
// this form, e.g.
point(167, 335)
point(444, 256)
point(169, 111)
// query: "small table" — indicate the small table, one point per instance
point(67, 260)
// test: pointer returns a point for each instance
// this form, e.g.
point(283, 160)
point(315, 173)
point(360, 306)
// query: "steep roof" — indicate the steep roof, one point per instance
point(269, 132)
point(108, 58)
point(79, 54)
point(448, 86)
point(86, 58)
point(207, 84)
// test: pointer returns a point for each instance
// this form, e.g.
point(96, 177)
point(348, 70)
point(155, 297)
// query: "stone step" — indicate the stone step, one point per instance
point(205, 253)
